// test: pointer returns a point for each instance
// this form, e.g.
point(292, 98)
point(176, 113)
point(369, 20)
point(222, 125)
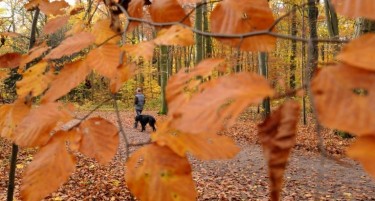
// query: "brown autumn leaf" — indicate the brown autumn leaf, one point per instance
point(10, 60)
point(103, 32)
point(244, 16)
point(363, 150)
point(105, 59)
point(168, 11)
point(34, 80)
point(9, 34)
point(142, 49)
point(50, 168)
point(69, 77)
point(71, 45)
point(359, 52)
point(277, 135)
point(32, 4)
point(175, 35)
point(11, 115)
point(100, 139)
point(344, 98)
point(53, 8)
point(203, 146)
point(78, 26)
point(34, 53)
point(55, 24)
point(221, 100)
point(178, 83)
point(135, 9)
point(77, 9)
point(35, 129)
point(354, 9)
point(156, 173)
point(123, 73)
point(3, 74)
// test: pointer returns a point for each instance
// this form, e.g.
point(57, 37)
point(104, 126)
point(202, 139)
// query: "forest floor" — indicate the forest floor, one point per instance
point(309, 175)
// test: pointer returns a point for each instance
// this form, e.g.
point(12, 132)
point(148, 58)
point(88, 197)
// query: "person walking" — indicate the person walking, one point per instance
point(139, 102)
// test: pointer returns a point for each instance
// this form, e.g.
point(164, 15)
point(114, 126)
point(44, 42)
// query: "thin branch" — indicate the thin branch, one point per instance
point(139, 144)
point(121, 127)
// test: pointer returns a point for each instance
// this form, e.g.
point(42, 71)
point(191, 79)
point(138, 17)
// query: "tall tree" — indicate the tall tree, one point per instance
point(293, 61)
point(313, 46)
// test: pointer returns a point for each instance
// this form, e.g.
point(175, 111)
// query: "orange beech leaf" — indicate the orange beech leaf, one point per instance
point(32, 4)
point(100, 139)
point(156, 173)
point(363, 150)
point(76, 10)
point(69, 77)
point(34, 80)
point(355, 8)
point(202, 146)
point(53, 8)
point(3, 74)
point(207, 111)
point(344, 98)
point(277, 135)
point(182, 2)
point(11, 115)
point(360, 52)
point(244, 16)
point(175, 35)
point(168, 11)
point(50, 168)
point(10, 60)
point(105, 59)
point(102, 32)
point(55, 24)
point(143, 49)
point(135, 9)
point(78, 26)
point(178, 83)
point(71, 45)
point(35, 128)
point(34, 53)
point(123, 73)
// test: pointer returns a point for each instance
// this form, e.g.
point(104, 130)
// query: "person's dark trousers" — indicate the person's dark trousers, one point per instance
point(138, 112)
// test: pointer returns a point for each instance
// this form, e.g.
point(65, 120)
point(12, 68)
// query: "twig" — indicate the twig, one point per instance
point(139, 144)
point(121, 127)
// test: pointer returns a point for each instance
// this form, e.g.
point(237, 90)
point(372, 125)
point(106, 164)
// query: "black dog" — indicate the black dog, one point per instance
point(144, 119)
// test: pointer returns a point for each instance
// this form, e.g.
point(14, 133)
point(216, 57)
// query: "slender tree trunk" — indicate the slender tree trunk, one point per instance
point(199, 38)
point(303, 62)
point(313, 47)
point(164, 78)
point(293, 62)
point(364, 26)
point(207, 40)
point(332, 23)
point(263, 69)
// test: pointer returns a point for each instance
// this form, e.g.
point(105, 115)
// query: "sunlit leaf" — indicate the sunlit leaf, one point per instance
point(344, 98)
point(34, 80)
point(359, 52)
point(135, 9)
point(123, 73)
point(77, 9)
point(143, 49)
point(78, 26)
point(11, 115)
point(363, 150)
point(203, 146)
point(355, 8)
point(100, 139)
point(50, 168)
point(168, 11)
point(156, 173)
point(32, 4)
point(69, 77)
point(277, 135)
point(178, 83)
point(221, 100)
point(53, 8)
point(244, 16)
point(10, 60)
point(103, 32)
point(55, 24)
point(105, 59)
point(35, 128)
point(34, 53)
point(72, 45)
point(175, 35)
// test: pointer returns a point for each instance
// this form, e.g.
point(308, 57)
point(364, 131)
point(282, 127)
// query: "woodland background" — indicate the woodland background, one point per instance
point(310, 35)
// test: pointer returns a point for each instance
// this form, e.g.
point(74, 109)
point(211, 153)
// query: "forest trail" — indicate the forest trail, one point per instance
point(244, 177)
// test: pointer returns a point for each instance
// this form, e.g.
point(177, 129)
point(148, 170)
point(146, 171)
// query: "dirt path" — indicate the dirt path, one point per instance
point(242, 178)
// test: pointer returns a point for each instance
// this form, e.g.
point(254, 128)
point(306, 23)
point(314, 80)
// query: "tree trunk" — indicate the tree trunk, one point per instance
point(164, 78)
point(199, 38)
point(364, 26)
point(313, 47)
point(263, 69)
point(293, 62)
